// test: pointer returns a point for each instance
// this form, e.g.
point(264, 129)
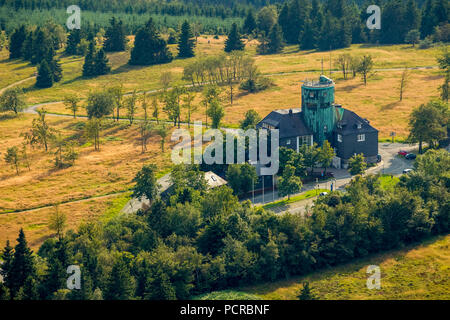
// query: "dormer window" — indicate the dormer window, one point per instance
point(359, 125)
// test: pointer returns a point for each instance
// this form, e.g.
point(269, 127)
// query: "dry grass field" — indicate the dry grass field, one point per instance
point(94, 173)
point(35, 222)
point(111, 170)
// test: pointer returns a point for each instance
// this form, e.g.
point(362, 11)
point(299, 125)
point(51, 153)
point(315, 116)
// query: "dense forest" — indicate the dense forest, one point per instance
point(323, 24)
point(195, 240)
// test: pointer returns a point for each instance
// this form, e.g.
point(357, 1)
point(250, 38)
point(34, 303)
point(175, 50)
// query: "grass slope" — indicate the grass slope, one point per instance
point(416, 272)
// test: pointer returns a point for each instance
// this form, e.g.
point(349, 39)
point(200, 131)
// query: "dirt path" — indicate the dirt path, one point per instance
point(16, 84)
point(32, 109)
point(66, 202)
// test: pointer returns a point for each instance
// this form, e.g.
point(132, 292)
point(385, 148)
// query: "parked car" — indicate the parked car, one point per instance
point(379, 158)
point(323, 194)
point(406, 171)
point(411, 156)
point(402, 153)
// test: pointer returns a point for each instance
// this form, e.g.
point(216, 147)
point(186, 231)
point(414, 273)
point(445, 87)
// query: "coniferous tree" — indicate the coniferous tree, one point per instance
point(5, 268)
point(149, 47)
point(428, 19)
point(73, 40)
point(283, 19)
point(89, 61)
point(42, 44)
point(276, 43)
point(121, 284)
point(298, 11)
point(56, 70)
point(115, 37)
point(101, 63)
point(27, 48)
point(16, 42)
point(186, 42)
point(45, 77)
point(234, 41)
point(308, 38)
point(412, 16)
point(22, 266)
point(249, 23)
point(56, 275)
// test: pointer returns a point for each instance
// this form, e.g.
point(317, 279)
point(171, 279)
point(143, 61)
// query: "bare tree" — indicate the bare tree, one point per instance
point(71, 103)
point(130, 104)
point(365, 67)
point(117, 93)
point(188, 99)
point(344, 62)
point(145, 130)
point(57, 222)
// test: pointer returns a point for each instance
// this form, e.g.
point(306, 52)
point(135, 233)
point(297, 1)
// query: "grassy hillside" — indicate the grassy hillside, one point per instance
point(287, 70)
point(416, 272)
point(112, 169)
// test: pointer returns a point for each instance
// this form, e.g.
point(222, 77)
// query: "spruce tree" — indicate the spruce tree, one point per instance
point(234, 41)
point(308, 38)
point(5, 268)
point(45, 77)
point(89, 65)
point(249, 23)
point(186, 42)
point(121, 284)
point(56, 275)
point(115, 36)
point(275, 39)
point(149, 47)
point(22, 266)
point(283, 19)
point(16, 42)
point(73, 40)
point(428, 19)
point(42, 44)
point(56, 70)
point(101, 63)
point(27, 48)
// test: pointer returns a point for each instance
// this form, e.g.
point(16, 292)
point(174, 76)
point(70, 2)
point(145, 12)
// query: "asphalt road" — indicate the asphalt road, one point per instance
point(390, 164)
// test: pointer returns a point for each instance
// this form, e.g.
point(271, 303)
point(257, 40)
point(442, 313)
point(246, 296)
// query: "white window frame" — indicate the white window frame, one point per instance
point(288, 142)
point(361, 137)
point(339, 137)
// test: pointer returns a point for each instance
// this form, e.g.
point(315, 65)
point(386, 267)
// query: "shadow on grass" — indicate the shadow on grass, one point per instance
point(351, 87)
point(390, 106)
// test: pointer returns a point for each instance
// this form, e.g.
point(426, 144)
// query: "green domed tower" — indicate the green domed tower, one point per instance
point(318, 108)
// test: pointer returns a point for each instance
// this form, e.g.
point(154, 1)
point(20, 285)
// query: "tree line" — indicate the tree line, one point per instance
point(196, 240)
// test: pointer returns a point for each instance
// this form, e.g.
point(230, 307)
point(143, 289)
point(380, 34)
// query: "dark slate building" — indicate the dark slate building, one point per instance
point(320, 119)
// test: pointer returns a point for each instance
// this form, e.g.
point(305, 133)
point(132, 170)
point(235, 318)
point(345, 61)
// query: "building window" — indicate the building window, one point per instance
point(361, 137)
point(305, 140)
point(288, 142)
point(359, 125)
point(339, 138)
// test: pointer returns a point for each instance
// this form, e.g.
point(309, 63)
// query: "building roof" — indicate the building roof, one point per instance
point(351, 123)
point(288, 121)
point(212, 179)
